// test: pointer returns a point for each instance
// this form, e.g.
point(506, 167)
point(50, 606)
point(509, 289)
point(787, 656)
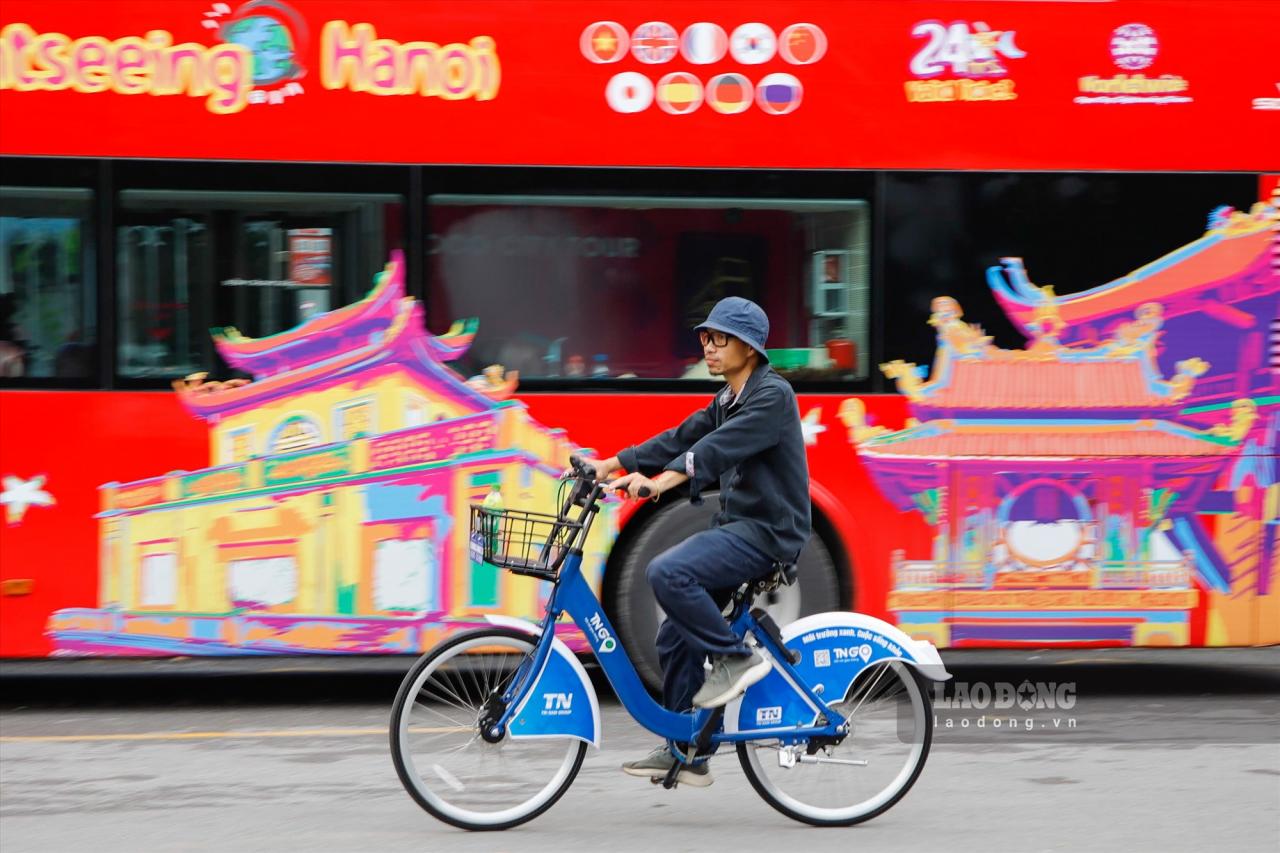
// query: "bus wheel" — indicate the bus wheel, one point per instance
point(637, 614)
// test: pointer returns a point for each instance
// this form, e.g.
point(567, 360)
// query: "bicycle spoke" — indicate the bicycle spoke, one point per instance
point(879, 675)
point(435, 712)
point(448, 766)
point(845, 782)
point(458, 701)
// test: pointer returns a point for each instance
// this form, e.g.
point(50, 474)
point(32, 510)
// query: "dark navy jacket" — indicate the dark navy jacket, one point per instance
point(754, 448)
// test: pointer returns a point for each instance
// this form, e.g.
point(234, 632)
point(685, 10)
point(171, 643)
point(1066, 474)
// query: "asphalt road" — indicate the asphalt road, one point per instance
point(1160, 757)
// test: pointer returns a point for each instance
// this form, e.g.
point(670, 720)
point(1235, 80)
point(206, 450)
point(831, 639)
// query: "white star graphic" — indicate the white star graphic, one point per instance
point(19, 494)
point(811, 424)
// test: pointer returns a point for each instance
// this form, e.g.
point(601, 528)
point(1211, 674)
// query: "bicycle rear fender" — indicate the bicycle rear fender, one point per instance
point(834, 649)
point(561, 701)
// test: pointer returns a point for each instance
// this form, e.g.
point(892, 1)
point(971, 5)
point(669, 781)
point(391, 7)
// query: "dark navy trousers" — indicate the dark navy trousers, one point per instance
point(693, 581)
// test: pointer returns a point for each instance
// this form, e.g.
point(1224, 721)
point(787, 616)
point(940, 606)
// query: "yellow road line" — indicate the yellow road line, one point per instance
point(1072, 661)
point(220, 735)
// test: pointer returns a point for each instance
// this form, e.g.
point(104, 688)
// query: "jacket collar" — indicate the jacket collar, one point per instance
point(725, 397)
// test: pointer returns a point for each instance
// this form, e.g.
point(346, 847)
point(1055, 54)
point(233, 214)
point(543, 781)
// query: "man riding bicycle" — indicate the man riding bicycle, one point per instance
point(749, 441)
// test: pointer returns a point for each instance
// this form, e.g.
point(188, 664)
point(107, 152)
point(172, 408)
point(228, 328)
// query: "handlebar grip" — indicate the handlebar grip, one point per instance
point(587, 471)
point(643, 491)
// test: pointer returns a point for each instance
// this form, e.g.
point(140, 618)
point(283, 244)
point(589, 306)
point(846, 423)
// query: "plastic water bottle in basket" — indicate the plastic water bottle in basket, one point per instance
point(487, 537)
point(494, 507)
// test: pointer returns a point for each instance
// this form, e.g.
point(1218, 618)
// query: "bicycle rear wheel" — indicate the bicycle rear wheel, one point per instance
point(890, 722)
point(442, 759)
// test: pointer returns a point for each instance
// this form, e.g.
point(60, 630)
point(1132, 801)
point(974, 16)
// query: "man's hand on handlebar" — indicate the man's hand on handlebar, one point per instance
point(636, 486)
point(604, 468)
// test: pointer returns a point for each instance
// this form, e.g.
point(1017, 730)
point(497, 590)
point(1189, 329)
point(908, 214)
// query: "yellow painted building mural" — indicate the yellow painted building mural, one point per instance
point(333, 515)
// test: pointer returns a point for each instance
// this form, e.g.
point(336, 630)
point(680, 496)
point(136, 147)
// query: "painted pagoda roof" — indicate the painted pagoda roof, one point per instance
point(383, 332)
point(1049, 384)
point(1237, 247)
point(1003, 440)
point(333, 333)
point(1120, 375)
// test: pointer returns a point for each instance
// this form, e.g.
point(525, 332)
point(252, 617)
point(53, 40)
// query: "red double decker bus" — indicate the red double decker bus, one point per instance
point(285, 285)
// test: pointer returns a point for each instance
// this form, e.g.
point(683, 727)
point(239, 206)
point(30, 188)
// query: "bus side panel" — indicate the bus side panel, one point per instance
point(56, 449)
point(870, 528)
point(61, 448)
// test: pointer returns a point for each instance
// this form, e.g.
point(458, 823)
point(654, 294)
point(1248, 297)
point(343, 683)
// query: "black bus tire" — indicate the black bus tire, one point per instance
point(636, 613)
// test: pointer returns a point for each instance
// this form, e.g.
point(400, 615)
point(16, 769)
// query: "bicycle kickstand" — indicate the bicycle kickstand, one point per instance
point(700, 745)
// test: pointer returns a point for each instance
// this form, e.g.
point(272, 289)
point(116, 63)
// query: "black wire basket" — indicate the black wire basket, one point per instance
point(526, 543)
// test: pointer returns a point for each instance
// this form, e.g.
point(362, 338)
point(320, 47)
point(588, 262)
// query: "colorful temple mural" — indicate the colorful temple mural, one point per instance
point(1112, 483)
point(332, 517)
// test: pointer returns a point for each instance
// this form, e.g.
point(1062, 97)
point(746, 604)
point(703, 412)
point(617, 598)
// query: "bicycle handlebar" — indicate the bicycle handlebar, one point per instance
point(585, 493)
point(588, 473)
point(582, 469)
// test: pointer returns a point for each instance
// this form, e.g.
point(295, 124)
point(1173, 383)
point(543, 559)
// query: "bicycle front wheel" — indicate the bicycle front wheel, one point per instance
point(444, 761)
point(890, 729)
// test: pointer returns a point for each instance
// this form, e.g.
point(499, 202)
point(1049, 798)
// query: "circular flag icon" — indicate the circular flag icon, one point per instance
point(654, 43)
point(779, 94)
point(1134, 46)
point(604, 41)
point(703, 44)
point(752, 44)
point(679, 93)
point(729, 93)
point(802, 44)
point(629, 92)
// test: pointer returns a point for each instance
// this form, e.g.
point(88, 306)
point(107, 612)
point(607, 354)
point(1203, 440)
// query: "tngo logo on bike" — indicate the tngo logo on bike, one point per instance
point(852, 653)
point(607, 643)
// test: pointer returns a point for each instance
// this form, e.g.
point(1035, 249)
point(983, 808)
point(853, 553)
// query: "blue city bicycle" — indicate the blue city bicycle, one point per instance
point(490, 728)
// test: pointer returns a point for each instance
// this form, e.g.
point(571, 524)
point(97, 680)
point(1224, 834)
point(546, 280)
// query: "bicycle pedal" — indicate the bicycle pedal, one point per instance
point(669, 781)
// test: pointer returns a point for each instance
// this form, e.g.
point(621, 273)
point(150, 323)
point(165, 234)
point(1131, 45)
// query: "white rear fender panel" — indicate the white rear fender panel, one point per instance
point(835, 648)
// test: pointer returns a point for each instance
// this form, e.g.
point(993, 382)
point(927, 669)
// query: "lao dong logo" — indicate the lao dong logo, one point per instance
point(1004, 695)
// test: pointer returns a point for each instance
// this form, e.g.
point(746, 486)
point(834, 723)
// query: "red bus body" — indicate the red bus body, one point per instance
point(867, 86)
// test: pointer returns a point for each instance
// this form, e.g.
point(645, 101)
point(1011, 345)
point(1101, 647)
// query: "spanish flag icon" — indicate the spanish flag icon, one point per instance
point(679, 93)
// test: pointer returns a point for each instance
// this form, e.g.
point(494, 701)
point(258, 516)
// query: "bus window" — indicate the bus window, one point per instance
point(259, 262)
point(48, 309)
point(576, 288)
point(160, 265)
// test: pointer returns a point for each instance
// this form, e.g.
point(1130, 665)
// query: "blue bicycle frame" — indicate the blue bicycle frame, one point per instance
point(829, 650)
point(573, 595)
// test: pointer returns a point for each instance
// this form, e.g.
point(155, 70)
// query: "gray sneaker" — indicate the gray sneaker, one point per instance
point(729, 678)
point(656, 764)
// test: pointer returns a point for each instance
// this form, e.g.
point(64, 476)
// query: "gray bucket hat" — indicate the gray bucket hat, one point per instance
point(741, 318)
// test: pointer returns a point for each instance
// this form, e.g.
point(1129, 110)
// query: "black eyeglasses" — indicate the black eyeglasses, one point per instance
point(720, 339)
